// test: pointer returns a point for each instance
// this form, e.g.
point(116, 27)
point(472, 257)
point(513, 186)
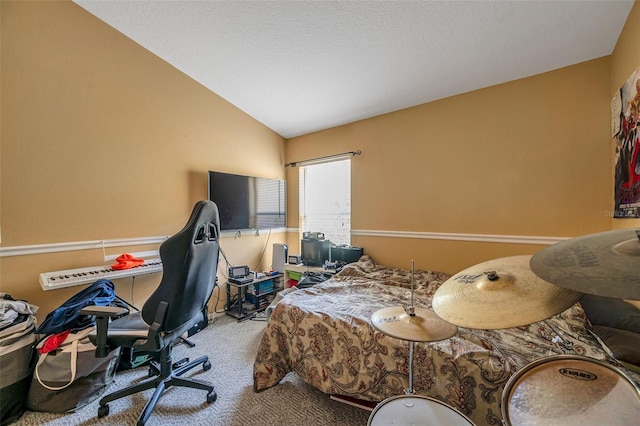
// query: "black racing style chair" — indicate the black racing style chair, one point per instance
point(189, 265)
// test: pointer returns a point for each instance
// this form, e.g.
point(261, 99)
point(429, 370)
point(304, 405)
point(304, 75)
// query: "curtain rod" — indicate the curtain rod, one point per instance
point(322, 159)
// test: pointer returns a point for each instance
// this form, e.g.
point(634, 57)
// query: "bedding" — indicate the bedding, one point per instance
point(616, 325)
point(323, 334)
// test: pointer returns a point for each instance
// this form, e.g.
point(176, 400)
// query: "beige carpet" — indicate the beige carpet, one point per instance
point(231, 347)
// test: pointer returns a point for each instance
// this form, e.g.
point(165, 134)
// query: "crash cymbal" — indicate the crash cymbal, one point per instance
point(500, 293)
point(604, 264)
point(424, 326)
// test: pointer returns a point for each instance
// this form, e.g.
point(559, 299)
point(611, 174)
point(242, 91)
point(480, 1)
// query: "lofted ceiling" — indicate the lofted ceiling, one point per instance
point(302, 66)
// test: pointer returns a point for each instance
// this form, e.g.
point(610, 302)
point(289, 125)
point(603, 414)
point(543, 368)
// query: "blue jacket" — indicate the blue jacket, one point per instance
point(67, 316)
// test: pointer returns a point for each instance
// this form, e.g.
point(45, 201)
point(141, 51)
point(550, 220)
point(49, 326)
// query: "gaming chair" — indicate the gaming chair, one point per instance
point(189, 266)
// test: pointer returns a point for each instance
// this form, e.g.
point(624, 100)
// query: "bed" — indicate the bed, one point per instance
point(323, 334)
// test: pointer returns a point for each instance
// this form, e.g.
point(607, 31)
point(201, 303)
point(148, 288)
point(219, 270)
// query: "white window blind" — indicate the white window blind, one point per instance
point(269, 202)
point(325, 200)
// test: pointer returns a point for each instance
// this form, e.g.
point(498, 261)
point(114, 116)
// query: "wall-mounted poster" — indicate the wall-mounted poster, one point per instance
point(627, 173)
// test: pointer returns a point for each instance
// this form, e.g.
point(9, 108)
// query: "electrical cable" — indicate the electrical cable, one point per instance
point(217, 300)
point(234, 299)
point(266, 243)
point(225, 257)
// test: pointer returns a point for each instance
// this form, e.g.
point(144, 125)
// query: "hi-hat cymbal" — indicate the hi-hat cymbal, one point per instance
point(604, 264)
point(424, 326)
point(500, 293)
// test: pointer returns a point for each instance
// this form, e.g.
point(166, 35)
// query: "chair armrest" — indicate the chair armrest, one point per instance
point(103, 314)
point(104, 311)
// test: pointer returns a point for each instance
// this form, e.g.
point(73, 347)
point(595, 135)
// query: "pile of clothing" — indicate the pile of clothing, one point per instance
point(17, 340)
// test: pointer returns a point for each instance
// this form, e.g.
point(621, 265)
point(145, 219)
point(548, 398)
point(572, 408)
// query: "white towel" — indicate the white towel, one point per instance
point(279, 296)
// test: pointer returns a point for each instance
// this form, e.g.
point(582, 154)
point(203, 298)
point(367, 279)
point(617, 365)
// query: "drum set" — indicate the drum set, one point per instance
point(517, 291)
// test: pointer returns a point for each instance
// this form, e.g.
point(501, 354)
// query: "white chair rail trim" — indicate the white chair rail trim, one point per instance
point(485, 238)
point(78, 245)
point(102, 244)
point(122, 242)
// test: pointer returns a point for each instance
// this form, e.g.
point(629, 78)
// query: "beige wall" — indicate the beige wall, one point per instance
point(103, 140)
point(526, 158)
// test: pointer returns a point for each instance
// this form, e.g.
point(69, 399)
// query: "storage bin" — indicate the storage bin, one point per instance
point(294, 275)
point(17, 360)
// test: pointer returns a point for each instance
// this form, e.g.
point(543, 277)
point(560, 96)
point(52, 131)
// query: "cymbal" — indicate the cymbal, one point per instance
point(424, 326)
point(500, 293)
point(604, 264)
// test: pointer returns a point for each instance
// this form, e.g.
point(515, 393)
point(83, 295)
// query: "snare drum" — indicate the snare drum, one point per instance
point(409, 410)
point(570, 390)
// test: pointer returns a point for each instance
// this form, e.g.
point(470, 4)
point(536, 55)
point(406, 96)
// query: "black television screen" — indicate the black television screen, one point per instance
point(314, 252)
point(248, 202)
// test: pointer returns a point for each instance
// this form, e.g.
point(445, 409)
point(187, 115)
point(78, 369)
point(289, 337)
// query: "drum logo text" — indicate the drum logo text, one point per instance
point(467, 278)
point(577, 374)
point(586, 257)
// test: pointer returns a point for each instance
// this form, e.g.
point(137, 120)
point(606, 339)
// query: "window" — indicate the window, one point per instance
point(269, 203)
point(325, 200)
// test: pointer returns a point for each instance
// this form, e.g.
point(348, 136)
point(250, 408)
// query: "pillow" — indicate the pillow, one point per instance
point(624, 344)
point(609, 312)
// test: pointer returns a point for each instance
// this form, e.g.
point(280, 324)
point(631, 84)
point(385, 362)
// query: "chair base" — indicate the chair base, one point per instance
point(167, 377)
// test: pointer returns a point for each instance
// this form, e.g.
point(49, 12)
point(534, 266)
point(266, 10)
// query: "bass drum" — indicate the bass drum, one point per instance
point(409, 410)
point(570, 390)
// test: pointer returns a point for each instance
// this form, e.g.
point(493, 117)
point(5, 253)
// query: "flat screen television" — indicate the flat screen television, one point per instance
point(248, 202)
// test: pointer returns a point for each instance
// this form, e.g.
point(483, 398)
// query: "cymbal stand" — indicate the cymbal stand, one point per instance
point(411, 311)
point(410, 391)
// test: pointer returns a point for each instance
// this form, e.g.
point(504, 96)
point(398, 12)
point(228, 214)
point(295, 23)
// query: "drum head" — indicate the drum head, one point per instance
point(405, 410)
point(570, 390)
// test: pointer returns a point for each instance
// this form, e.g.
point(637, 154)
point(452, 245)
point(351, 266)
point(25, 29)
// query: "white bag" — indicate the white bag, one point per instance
point(70, 376)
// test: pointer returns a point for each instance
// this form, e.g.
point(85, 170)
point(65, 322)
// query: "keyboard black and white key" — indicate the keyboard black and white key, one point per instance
point(72, 277)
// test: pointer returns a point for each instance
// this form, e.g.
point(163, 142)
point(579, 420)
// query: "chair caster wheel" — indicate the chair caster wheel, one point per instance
point(206, 365)
point(103, 411)
point(212, 396)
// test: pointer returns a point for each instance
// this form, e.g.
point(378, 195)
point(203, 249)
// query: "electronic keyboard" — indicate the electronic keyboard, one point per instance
point(72, 277)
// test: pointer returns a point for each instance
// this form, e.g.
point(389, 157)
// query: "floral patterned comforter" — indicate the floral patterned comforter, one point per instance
point(323, 334)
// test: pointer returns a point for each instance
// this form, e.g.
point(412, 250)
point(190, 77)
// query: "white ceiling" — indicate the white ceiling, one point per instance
point(303, 66)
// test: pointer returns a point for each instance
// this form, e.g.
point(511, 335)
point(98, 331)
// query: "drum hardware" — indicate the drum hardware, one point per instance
point(415, 410)
point(421, 326)
point(562, 343)
point(604, 264)
point(500, 293)
point(570, 390)
point(412, 324)
point(411, 311)
point(410, 390)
